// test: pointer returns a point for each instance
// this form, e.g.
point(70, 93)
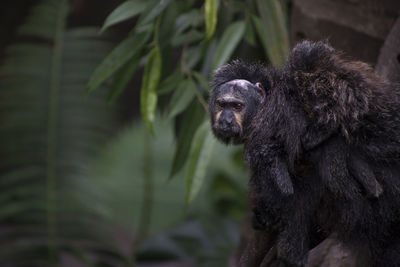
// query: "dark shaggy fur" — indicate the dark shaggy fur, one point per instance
point(335, 126)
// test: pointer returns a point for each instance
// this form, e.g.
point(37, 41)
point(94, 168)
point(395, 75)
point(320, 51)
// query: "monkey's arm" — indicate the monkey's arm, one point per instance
point(282, 216)
point(280, 174)
point(270, 165)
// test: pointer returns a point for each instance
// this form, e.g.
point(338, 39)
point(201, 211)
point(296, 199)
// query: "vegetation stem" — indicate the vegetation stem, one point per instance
point(147, 203)
point(52, 126)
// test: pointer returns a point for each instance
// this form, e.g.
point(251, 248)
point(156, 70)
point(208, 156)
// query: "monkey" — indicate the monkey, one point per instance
point(228, 102)
point(322, 137)
point(233, 103)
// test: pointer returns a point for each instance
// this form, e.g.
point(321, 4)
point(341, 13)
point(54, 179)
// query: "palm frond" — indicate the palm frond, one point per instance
point(49, 132)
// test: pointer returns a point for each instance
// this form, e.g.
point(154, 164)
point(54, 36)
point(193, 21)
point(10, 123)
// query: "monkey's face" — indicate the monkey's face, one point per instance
point(232, 106)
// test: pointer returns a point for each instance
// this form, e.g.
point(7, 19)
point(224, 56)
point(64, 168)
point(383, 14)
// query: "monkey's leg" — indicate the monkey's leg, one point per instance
point(391, 256)
point(266, 203)
point(293, 241)
point(254, 245)
point(266, 218)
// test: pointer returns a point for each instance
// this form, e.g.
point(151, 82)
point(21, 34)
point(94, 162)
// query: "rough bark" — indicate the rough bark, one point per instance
point(388, 63)
point(357, 27)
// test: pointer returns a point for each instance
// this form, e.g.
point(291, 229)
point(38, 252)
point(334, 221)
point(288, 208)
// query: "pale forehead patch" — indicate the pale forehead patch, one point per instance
point(228, 98)
point(240, 82)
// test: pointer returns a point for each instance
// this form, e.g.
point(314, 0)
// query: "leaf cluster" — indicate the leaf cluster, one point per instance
point(200, 36)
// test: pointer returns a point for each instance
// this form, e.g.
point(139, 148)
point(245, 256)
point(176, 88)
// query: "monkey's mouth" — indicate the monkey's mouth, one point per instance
point(228, 135)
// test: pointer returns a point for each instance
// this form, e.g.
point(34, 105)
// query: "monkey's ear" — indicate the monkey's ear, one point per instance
point(261, 91)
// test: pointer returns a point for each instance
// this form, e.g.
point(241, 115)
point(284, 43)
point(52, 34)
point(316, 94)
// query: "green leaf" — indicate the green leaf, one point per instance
point(250, 35)
point(202, 81)
point(154, 12)
point(209, 57)
point(126, 50)
point(181, 97)
point(124, 11)
point(148, 94)
point(170, 83)
point(229, 41)
point(126, 193)
point(122, 78)
point(200, 153)
point(185, 20)
point(193, 56)
point(272, 30)
point(192, 36)
point(190, 121)
point(210, 12)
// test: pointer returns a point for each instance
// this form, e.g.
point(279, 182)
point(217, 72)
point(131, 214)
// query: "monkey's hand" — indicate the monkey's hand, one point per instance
point(266, 220)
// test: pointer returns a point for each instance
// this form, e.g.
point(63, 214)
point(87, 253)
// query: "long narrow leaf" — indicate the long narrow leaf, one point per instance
point(250, 35)
point(123, 12)
point(122, 78)
point(154, 12)
point(182, 97)
point(185, 20)
point(272, 30)
point(190, 37)
point(210, 11)
point(229, 41)
point(191, 120)
point(148, 95)
point(170, 83)
point(126, 50)
point(200, 154)
point(202, 81)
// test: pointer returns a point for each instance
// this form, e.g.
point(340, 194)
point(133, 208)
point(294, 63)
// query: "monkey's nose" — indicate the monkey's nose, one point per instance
point(226, 123)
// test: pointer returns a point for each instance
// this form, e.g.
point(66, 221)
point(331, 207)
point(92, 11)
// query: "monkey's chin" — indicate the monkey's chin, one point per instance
point(231, 138)
point(237, 140)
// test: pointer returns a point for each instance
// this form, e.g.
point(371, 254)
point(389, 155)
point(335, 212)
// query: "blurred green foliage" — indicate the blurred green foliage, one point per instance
point(68, 190)
point(203, 43)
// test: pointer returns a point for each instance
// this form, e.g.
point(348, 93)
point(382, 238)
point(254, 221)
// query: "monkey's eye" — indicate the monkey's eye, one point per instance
point(238, 106)
point(221, 104)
